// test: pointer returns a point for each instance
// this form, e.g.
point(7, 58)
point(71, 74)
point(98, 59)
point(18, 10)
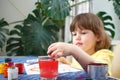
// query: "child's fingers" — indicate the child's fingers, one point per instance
point(51, 50)
point(56, 54)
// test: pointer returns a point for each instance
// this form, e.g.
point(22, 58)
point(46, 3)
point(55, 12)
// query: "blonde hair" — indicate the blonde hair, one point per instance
point(92, 22)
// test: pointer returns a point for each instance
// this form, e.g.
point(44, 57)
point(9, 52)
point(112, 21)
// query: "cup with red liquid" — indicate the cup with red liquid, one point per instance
point(48, 68)
point(20, 67)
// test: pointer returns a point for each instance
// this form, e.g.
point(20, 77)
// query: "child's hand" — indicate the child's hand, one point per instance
point(59, 49)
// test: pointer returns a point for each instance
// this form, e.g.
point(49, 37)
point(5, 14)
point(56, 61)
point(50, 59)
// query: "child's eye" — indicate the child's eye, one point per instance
point(83, 32)
point(74, 34)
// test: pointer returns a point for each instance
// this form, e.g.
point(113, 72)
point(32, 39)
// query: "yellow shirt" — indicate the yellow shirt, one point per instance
point(104, 56)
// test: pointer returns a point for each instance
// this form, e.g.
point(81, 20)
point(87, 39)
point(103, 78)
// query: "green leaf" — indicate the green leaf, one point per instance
point(111, 31)
point(106, 19)
point(18, 27)
point(13, 32)
point(3, 23)
point(3, 32)
point(56, 9)
point(13, 40)
point(110, 24)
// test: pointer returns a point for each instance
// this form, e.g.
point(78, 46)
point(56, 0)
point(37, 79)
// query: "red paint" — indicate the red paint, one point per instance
point(20, 68)
point(5, 70)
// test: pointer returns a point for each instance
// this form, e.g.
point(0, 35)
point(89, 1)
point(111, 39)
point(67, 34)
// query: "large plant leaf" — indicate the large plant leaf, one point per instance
point(103, 16)
point(106, 19)
point(39, 38)
point(3, 32)
point(58, 9)
point(14, 43)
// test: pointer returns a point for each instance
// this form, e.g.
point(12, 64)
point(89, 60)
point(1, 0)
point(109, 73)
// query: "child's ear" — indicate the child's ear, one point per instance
point(98, 38)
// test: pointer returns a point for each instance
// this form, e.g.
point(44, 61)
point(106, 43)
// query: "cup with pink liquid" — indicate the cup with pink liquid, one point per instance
point(48, 68)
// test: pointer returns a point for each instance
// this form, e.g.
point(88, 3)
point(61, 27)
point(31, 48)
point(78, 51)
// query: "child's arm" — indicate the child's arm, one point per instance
point(60, 49)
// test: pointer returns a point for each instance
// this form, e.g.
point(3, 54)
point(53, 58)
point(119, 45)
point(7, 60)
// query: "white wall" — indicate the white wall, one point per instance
point(107, 6)
point(15, 10)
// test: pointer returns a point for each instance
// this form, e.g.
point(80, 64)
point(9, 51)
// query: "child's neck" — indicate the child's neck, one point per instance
point(91, 52)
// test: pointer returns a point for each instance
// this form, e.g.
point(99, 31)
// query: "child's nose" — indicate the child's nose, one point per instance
point(78, 36)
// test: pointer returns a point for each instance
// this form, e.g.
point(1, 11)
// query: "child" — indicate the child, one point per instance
point(90, 42)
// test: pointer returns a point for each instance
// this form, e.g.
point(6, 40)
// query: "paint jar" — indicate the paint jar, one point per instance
point(20, 67)
point(7, 65)
point(13, 73)
point(5, 70)
point(2, 65)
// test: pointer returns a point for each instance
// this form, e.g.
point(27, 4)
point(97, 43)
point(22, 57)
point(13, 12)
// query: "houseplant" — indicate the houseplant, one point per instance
point(39, 29)
point(3, 32)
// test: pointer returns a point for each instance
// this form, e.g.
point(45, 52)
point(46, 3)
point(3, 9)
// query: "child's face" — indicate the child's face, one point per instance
point(85, 39)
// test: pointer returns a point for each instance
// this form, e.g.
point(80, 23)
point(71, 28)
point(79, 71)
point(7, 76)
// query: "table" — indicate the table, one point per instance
point(79, 75)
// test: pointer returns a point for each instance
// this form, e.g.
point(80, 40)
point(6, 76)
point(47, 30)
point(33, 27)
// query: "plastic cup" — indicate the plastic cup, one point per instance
point(48, 68)
point(98, 71)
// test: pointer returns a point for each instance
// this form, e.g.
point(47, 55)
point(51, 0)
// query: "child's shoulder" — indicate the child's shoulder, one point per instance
point(105, 51)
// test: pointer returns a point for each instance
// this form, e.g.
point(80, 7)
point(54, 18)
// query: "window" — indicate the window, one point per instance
point(85, 6)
